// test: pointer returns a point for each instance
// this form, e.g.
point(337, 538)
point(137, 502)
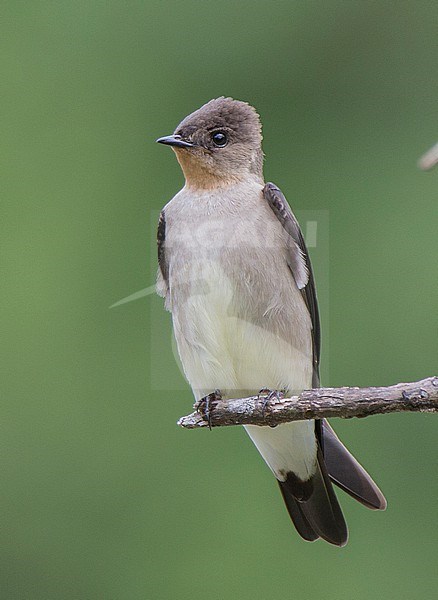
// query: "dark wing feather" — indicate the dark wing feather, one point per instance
point(161, 238)
point(319, 514)
point(345, 471)
point(299, 264)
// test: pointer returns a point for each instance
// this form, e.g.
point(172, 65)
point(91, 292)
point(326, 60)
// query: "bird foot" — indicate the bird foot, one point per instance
point(270, 396)
point(205, 406)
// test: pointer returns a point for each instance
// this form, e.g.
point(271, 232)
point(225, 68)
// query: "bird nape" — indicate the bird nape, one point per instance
point(236, 275)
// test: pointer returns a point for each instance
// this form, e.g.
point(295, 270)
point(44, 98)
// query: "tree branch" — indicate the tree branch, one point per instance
point(319, 403)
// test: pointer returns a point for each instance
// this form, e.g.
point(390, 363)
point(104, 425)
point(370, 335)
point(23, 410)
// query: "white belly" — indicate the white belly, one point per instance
point(221, 351)
point(236, 354)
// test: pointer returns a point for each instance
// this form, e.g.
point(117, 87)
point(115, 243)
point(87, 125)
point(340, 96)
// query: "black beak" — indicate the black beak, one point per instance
point(174, 140)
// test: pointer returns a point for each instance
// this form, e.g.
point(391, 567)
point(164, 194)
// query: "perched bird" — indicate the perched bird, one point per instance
point(236, 275)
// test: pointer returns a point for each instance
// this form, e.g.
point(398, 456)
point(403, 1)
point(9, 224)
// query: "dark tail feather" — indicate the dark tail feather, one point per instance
point(317, 514)
point(302, 525)
point(346, 472)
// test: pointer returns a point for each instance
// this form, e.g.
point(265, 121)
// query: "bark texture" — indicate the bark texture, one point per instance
point(318, 403)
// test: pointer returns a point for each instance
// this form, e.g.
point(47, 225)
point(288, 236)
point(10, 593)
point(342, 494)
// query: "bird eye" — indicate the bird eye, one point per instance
point(219, 139)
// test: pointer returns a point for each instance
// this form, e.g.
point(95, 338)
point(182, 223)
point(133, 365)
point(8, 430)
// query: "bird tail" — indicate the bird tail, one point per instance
point(316, 512)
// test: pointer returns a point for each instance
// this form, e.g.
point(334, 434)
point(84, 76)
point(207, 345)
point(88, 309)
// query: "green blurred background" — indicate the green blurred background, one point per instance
point(102, 496)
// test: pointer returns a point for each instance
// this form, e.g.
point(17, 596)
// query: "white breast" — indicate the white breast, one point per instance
point(239, 320)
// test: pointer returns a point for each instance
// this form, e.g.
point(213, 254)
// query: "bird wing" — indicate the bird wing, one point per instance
point(343, 469)
point(317, 513)
point(299, 265)
point(162, 282)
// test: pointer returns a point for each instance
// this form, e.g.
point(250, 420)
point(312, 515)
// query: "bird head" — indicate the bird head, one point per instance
point(218, 144)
